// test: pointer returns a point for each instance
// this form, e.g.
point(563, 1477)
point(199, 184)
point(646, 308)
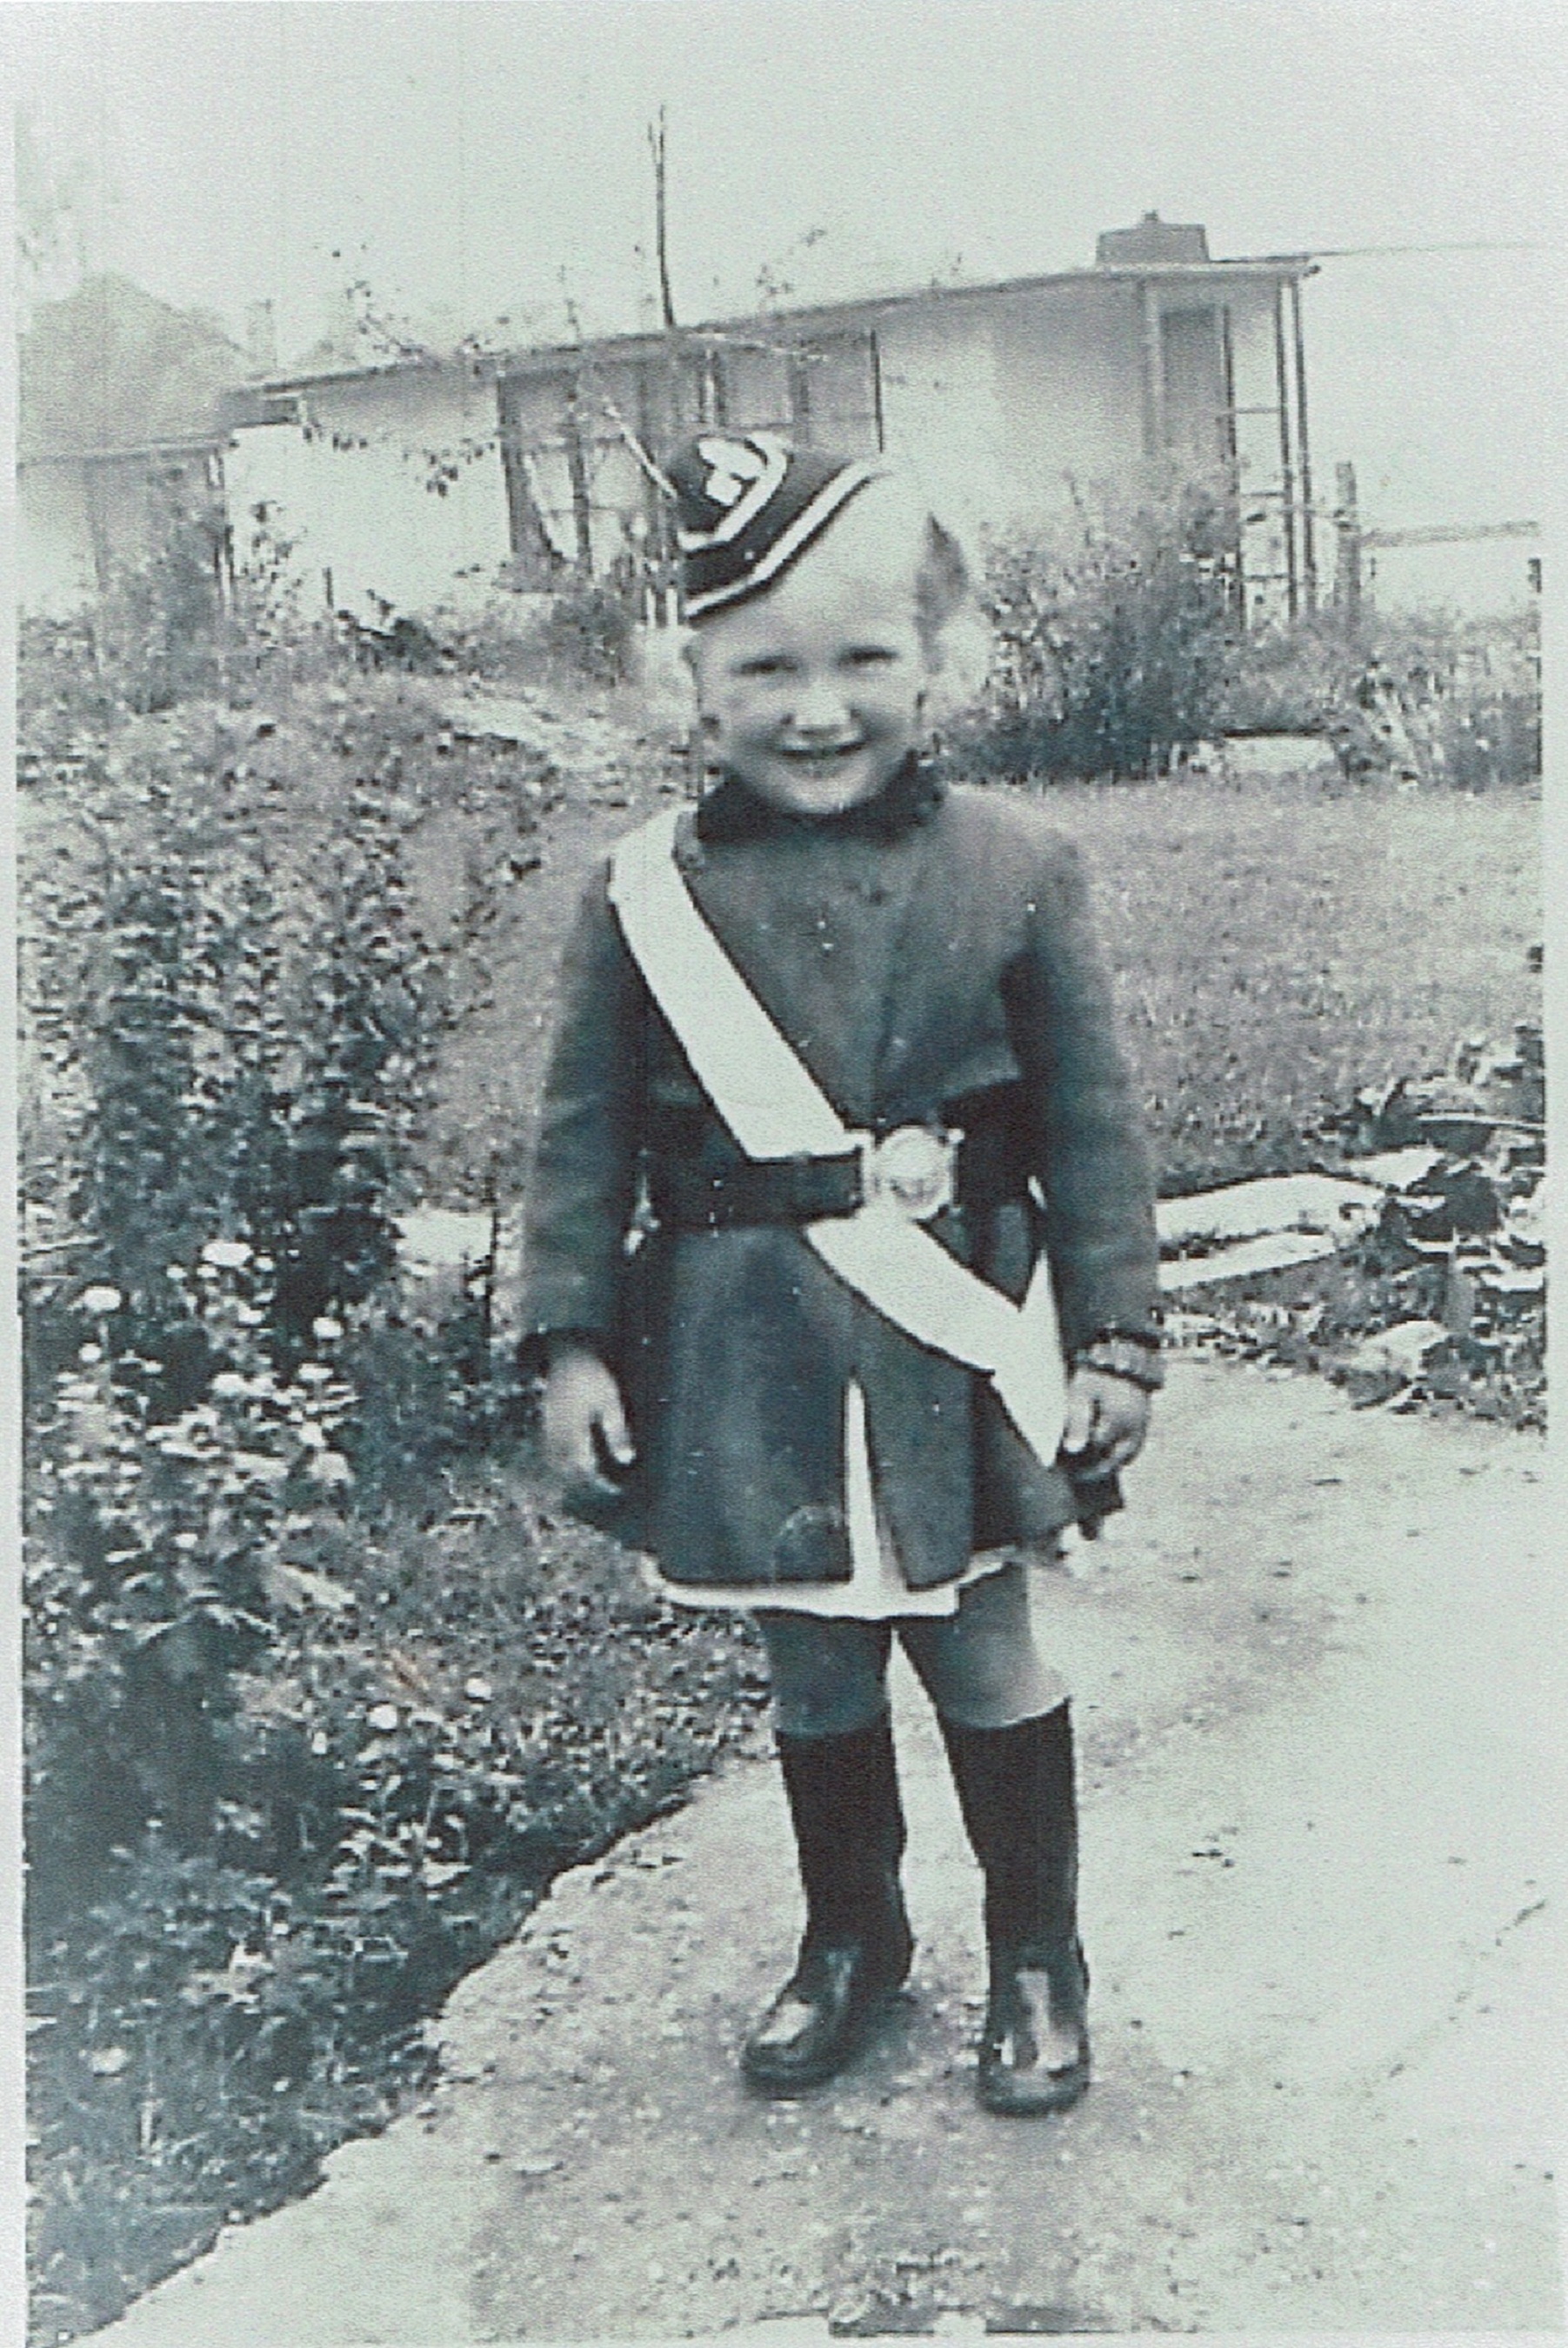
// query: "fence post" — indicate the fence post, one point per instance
point(1347, 563)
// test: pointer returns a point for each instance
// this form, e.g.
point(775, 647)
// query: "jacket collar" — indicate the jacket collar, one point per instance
point(730, 811)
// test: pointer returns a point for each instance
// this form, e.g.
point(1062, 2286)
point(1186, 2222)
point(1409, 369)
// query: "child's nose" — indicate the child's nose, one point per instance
point(820, 707)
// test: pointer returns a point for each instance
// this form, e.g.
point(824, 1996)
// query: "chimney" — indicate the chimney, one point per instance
point(1152, 241)
point(261, 338)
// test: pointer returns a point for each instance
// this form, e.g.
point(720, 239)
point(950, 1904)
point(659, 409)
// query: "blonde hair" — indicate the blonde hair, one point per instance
point(959, 644)
point(954, 633)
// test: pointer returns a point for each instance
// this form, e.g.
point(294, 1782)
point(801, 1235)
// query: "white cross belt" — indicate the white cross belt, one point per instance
point(774, 1107)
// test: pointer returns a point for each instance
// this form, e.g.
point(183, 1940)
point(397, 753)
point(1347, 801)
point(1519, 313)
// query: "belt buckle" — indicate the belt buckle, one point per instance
point(912, 1169)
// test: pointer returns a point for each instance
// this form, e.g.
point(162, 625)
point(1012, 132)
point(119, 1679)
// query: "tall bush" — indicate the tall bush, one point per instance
point(159, 623)
point(237, 972)
point(1112, 639)
point(227, 985)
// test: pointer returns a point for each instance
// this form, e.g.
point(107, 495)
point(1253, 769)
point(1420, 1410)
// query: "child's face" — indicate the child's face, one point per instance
point(811, 693)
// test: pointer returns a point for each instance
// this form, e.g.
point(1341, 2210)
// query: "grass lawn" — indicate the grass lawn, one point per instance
point(1281, 943)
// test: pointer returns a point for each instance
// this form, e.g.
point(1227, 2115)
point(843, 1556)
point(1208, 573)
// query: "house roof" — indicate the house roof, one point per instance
point(775, 324)
point(112, 369)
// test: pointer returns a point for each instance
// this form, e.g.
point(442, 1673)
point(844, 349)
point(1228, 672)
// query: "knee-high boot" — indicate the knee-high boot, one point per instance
point(1016, 1790)
point(856, 1950)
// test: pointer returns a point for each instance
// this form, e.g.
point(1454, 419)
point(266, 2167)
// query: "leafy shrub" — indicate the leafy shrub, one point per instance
point(1288, 679)
point(582, 632)
point(1115, 649)
point(498, 641)
point(1470, 695)
point(236, 986)
point(64, 702)
point(1111, 647)
point(158, 624)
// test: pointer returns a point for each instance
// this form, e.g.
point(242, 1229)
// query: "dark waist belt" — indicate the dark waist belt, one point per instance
point(982, 1170)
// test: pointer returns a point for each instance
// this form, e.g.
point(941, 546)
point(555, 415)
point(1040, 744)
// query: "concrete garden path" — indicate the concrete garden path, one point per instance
point(1320, 1715)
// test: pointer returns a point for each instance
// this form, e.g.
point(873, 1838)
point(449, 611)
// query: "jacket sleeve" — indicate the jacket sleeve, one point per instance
point(582, 1185)
point(1087, 1141)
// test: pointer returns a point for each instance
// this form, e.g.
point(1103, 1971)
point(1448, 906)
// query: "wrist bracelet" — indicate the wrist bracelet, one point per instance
point(1124, 1356)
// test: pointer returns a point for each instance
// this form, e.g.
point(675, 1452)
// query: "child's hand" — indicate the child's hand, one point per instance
point(585, 1432)
point(1107, 1419)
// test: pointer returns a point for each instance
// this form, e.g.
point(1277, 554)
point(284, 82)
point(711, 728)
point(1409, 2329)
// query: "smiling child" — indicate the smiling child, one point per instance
point(836, 1049)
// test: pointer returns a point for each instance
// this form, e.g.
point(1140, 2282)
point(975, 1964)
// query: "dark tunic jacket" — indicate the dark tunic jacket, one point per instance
point(930, 959)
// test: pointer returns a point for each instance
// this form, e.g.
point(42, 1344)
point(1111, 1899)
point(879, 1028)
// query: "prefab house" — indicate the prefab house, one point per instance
point(1010, 401)
point(424, 482)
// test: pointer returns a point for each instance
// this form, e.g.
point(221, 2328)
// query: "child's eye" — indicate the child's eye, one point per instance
point(870, 656)
point(765, 665)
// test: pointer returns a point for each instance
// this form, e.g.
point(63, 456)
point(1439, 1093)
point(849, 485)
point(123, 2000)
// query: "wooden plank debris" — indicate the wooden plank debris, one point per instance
point(1244, 1259)
point(1276, 1203)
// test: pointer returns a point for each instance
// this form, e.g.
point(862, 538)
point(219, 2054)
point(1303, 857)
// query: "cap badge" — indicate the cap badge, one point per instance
point(732, 466)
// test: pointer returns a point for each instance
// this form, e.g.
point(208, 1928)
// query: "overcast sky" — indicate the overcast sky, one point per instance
point(473, 161)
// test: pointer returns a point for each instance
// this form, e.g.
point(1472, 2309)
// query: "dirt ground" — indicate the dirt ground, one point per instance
point(1323, 1786)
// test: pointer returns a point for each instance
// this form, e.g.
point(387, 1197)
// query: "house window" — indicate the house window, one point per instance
point(756, 380)
point(840, 394)
point(825, 392)
point(572, 439)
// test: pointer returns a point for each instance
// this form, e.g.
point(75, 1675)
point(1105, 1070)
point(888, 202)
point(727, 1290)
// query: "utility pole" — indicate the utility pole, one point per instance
point(658, 140)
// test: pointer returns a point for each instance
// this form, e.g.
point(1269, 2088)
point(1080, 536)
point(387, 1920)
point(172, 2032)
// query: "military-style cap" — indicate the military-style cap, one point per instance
point(747, 505)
